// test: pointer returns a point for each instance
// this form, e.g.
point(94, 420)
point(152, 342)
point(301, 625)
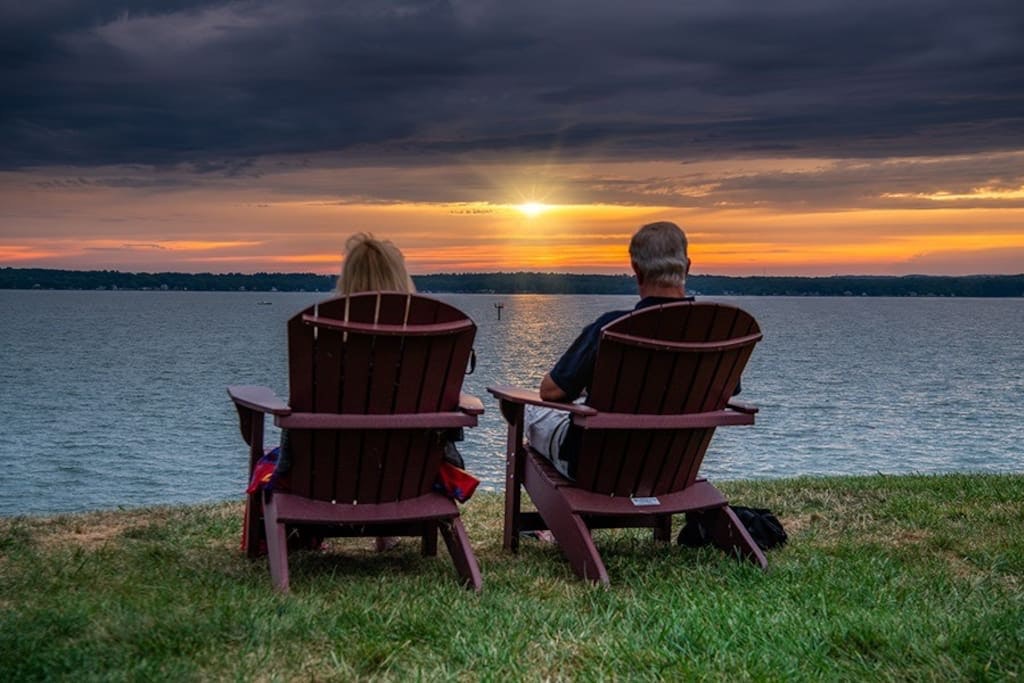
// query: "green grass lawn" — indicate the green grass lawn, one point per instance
point(891, 578)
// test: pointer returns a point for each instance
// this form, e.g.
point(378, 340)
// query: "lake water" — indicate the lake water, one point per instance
point(114, 399)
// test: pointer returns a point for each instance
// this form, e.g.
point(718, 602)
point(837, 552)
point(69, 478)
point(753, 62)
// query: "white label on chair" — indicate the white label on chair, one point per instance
point(644, 502)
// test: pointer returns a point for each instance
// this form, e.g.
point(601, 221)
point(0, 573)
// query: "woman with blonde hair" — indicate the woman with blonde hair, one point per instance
point(373, 265)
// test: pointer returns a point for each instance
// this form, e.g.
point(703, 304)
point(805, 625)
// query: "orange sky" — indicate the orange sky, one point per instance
point(469, 218)
point(807, 138)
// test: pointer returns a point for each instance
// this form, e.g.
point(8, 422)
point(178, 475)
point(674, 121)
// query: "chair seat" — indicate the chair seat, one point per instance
point(430, 506)
point(698, 497)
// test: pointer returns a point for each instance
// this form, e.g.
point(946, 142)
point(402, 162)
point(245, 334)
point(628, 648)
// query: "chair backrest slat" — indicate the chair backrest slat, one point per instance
point(324, 470)
point(341, 362)
point(671, 359)
point(300, 474)
point(352, 352)
point(638, 443)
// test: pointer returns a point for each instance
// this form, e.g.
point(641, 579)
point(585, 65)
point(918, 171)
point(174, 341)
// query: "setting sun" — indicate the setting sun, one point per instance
point(532, 209)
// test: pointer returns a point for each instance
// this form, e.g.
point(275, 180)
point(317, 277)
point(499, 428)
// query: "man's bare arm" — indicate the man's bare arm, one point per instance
point(549, 391)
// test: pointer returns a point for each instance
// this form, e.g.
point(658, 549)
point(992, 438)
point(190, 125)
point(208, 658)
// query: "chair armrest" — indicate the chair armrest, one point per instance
point(717, 418)
point(376, 420)
point(471, 405)
point(260, 399)
point(742, 407)
point(532, 397)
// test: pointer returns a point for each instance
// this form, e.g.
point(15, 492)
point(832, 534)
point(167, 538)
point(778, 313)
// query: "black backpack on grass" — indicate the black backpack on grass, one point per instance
point(761, 524)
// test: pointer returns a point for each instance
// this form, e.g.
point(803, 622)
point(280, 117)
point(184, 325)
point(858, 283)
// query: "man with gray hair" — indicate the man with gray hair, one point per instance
point(658, 256)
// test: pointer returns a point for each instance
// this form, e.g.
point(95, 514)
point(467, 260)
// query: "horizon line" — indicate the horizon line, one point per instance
point(504, 272)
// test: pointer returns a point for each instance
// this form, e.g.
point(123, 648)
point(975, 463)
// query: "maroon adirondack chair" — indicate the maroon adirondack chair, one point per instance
point(663, 381)
point(373, 379)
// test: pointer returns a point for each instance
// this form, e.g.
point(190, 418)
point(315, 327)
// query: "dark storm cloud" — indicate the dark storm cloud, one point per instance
point(217, 84)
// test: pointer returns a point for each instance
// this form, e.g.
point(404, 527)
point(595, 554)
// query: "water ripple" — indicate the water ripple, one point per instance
point(117, 398)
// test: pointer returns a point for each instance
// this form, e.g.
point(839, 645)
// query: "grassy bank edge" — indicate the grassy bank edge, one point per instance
point(891, 577)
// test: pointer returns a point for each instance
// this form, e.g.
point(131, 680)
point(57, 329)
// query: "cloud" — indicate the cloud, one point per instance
point(1001, 260)
point(216, 85)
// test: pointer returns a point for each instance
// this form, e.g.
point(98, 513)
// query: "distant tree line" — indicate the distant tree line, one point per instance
point(526, 283)
point(41, 278)
point(862, 285)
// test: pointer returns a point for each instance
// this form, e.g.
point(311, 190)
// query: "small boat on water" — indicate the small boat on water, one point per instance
point(264, 303)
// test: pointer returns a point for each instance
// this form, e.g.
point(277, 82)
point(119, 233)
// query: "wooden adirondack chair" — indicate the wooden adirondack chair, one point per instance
point(373, 378)
point(663, 382)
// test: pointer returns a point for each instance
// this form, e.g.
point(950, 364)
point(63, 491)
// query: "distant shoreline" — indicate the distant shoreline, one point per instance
point(1003, 286)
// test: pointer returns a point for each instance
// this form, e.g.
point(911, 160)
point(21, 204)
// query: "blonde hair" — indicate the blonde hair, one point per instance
point(659, 252)
point(373, 265)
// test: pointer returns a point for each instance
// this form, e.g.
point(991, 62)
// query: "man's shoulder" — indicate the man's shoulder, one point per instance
point(608, 317)
point(591, 333)
point(646, 302)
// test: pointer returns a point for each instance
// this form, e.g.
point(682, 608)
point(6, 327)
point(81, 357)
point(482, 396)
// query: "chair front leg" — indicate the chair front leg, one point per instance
point(253, 532)
point(663, 528)
point(277, 543)
point(728, 533)
point(514, 465)
point(428, 539)
point(454, 534)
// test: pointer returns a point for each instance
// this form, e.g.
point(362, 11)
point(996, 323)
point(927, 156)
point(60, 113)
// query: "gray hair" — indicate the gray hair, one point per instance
point(659, 252)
